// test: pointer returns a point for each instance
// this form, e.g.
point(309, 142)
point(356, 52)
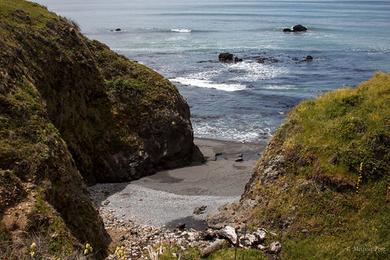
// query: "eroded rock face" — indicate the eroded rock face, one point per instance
point(119, 119)
point(71, 110)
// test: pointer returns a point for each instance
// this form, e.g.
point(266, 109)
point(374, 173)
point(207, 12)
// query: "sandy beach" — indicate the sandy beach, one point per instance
point(169, 198)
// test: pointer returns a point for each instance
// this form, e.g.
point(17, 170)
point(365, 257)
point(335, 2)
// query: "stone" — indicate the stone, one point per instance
point(236, 59)
point(260, 234)
point(239, 159)
point(299, 28)
point(216, 245)
point(199, 210)
point(296, 28)
point(229, 233)
point(275, 247)
point(248, 240)
point(226, 57)
point(118, 29)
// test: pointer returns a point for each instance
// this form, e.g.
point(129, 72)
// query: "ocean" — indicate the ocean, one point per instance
point(246, 101)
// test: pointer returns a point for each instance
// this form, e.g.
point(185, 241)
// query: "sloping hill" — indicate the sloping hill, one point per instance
point(71, 109)
point(323, 184)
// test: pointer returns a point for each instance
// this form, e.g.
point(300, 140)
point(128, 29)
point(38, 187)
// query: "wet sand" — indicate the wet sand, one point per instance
point(169, 198)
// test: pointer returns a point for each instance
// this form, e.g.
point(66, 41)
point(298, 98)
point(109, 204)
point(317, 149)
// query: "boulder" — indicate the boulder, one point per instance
point(296, 28)
point(248, 240)
point(226, 57)
point(118, 29)
point(229, 233)
point(299, 28)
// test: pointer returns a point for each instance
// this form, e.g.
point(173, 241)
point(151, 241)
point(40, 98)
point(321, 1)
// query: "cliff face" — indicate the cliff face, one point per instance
point(120, 120)
point(71, 108)
point(323, 183)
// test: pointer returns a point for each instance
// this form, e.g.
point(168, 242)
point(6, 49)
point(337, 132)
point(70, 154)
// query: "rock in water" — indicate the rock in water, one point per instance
point(226, 57)
point(229, 233)
point(118, 29)
point(299, 28)
point(296, 28)
point(309, 58)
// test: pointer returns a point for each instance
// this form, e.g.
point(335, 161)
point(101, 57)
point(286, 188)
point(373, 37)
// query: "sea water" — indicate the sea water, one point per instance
point(246, 101)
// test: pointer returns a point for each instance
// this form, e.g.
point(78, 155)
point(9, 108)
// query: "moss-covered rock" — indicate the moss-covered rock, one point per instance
point(323, 182)
point(71, 108)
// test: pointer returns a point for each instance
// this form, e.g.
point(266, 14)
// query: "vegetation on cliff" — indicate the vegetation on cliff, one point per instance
point(71, 108)
point(323, 183)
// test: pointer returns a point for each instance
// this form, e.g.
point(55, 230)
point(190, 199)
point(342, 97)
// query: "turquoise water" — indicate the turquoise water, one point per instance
point(349, 41)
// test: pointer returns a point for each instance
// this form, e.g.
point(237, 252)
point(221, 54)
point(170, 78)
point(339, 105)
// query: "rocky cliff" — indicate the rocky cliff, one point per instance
point(71, 111)
point(323, 183)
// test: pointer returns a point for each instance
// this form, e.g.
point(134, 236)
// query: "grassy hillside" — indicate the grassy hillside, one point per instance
point(323, 183)
point(71, 110)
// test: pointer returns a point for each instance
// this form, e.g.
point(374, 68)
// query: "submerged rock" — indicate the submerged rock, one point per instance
point(266, 60)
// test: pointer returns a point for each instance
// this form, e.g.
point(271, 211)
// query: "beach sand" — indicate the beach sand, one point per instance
point(168, 198)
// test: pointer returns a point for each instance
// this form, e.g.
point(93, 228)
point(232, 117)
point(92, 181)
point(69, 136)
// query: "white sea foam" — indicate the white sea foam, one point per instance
point(220, 130)
point(253, 71)
point(276, 87)
point(181, 30)
point(204, 83)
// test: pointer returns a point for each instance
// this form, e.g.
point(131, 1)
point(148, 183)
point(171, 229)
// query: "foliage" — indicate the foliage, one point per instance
point(331, 198)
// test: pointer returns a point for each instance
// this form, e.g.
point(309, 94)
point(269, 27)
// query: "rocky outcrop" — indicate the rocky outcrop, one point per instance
point(71, 110)
point(296, 28)
point(305, 196)
point(227, 57)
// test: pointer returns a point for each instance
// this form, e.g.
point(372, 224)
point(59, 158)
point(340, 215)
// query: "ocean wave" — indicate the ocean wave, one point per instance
point(279, 87)
point(254, 71)
point(223, 132)
point(181, 30)
point(204, 83)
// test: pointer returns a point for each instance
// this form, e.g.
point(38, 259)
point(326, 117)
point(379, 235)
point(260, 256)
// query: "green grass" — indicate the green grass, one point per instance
point(172, 253)
point(331, 200)
point(343, 131)
point(239, 254)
